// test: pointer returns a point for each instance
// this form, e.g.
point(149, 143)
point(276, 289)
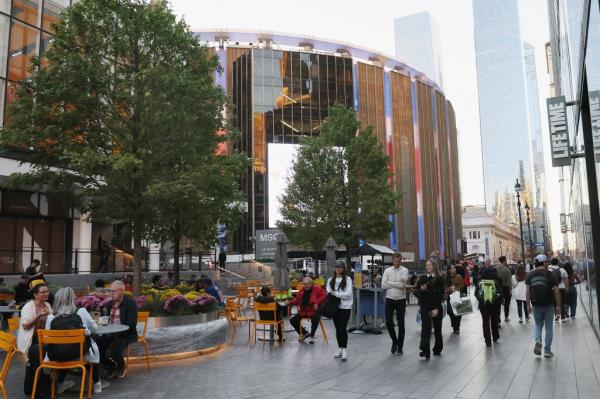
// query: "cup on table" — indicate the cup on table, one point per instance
point(103, 320)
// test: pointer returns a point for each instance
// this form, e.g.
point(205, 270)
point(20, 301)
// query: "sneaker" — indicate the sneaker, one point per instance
point(538, 348)
point(61, 388)
point(527, 318)
point(399, 352)
point(394, 347)
point(548, 354)
point(122, 373)
point(497, 340)
point(344, 354)
point(507, 320)
point(557, 319)
point(100, 385)
point(338, 354)
point(520, 320)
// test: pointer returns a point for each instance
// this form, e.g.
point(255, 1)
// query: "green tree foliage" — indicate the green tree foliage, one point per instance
point(339, 186)
point(122, 123)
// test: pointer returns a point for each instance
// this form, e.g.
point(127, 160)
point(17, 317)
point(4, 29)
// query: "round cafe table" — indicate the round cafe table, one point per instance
point(112, 329)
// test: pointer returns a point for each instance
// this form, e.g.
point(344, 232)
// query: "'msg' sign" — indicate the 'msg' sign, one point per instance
point(559, 131)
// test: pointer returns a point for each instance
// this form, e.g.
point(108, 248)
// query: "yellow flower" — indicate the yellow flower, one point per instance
point(192, 295)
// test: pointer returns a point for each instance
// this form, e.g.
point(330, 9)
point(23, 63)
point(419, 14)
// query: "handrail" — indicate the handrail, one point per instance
point(230, 272)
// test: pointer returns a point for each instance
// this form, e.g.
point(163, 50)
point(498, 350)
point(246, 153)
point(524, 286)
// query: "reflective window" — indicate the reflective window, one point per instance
point(4, 28)
point(5, 6)
point(27, 11)
point(23, 45)
point(2, 92)
point(52, 10)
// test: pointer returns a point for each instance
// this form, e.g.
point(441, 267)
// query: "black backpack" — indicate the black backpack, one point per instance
point(541, 286)
point(66, 352)
point(557, 276)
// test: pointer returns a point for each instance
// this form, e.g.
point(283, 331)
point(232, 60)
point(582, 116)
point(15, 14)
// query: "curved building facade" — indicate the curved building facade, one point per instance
point(281, 87)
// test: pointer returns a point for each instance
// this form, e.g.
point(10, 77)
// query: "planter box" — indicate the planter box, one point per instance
point(181, 334)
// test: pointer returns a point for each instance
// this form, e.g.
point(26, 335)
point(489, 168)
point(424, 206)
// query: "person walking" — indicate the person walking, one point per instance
point(543, 299)
point(505, 276)
point(574, 280)
point(489, 295)
point(340, 286)
point(562, 278)
point(454, 283)
point(430, 292)
point(520, 292)
point(394, 282)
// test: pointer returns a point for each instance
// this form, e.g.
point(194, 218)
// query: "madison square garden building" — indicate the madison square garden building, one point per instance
point(281, 88)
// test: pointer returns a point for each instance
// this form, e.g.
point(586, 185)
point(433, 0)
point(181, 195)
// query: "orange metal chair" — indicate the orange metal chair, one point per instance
point(142, 317)
point(13, 324)
point(8, 343)
point(6, 297)
point(62, 337)
point(267, 307)
point(233, 317)
point(320, 323)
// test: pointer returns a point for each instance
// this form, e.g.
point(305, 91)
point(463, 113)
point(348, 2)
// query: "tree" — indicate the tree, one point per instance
point(339, 186)
point(122, 122)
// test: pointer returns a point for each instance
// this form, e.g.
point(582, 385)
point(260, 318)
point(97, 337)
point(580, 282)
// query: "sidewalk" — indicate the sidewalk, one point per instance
point(466, 369)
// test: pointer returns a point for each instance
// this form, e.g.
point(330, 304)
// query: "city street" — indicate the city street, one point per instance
point(465, 370)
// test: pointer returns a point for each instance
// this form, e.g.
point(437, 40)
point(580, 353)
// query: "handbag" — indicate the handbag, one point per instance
point(330, 306)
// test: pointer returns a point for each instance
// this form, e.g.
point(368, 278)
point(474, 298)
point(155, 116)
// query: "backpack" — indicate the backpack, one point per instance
point(541, 287)
point(557, 276)
point(488, 292)
point(66, 352)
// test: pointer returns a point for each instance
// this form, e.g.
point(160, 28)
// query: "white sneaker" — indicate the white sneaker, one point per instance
point(100, 385)
point(61, 388)
point(338, 354)
point(557, 319)
point(344, 354)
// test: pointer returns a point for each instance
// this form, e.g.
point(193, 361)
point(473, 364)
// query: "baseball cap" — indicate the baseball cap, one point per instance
point(541, 258)
point(340, 263)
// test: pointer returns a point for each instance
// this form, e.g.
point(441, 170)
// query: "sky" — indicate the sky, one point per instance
point(371, 24)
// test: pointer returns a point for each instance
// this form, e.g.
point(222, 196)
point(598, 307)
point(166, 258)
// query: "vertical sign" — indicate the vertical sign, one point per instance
point(594, 97)
point(559, 133)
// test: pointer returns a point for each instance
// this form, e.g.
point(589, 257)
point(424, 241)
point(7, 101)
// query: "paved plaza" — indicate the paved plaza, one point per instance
point(467, 369)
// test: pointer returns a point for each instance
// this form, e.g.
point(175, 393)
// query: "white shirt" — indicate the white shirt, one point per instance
point(345, 295)
point(90, 326)
point(394, 281)
point(24, 337)
point(563, 276)
point(519, 291)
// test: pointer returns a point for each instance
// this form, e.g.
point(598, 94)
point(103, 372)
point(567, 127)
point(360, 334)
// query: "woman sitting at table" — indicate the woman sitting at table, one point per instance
point(308, 301)
point(266, 297)
point(64, 306)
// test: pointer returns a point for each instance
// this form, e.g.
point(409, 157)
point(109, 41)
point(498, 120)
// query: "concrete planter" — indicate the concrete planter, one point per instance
point(183, 334)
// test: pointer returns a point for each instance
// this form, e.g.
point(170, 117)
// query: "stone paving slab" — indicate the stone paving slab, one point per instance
point(467, 369)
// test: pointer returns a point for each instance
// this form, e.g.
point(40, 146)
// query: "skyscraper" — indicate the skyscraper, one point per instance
point(418, 43)
point(503, 105)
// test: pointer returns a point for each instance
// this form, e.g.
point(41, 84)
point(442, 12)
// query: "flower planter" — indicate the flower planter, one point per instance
point(183, 334)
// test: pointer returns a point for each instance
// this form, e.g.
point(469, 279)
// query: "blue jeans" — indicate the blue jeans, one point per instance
point(544, 317)
point(572, 300)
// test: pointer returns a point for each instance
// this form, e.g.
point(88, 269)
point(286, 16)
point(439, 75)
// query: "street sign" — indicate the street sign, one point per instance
point(559, 131)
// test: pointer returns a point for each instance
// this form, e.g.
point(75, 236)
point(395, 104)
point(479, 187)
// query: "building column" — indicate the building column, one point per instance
point(154, 264)
point(82, 243)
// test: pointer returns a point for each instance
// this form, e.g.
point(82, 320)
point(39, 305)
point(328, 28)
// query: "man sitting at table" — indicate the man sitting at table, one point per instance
point(308, 301)
point(266, 297)
point(121, 310)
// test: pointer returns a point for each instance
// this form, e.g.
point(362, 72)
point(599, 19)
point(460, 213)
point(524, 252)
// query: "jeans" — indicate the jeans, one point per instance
point(522, 307)
point(112, 351)
point(454, 320)
point(340, 321)
point(544, 317)
point(398, 306)
point(426, 323)
point(490, 316)
point(314, 324)
point(506, 302)
point(572, 301)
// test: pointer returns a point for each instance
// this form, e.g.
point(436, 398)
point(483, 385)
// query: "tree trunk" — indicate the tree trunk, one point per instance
point(176, 239)
point(349, 265)
point(137, 260)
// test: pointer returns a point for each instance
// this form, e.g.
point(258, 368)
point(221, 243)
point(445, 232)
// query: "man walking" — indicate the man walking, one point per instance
point(543, 294)
point(489, 294)
point(505, 276)
point(394, 281)
point(562, 279)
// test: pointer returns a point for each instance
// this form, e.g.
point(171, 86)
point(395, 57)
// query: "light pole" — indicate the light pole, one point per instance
point(500, 242)
point(529, 228)
point(543, 227)
point(518, 191)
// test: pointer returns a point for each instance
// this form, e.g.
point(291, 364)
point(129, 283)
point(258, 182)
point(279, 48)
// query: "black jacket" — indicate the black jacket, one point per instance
point(433, 296)
point(128, 316)
point(489, 273)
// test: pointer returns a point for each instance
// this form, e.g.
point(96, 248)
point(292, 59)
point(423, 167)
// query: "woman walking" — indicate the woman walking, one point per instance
point(519, 292)
point(574, 280)
point(430, 291)
point(340, 286)
point(454, 283)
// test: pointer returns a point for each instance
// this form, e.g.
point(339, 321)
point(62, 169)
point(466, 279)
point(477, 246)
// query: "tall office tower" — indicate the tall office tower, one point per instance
point(503, 105)
point(418, 44)
point(535, 130)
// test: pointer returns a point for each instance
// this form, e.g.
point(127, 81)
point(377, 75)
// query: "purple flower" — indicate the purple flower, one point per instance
point(176, 301)
point(140, 301)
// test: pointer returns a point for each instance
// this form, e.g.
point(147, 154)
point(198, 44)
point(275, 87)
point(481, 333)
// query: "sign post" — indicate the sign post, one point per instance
point(266, 243)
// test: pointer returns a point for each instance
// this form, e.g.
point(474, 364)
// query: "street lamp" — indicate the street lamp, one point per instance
point(527, 208)
point(518, 191)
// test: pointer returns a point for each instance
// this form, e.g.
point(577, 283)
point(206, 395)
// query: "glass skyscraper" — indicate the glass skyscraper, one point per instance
point(503, 106)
